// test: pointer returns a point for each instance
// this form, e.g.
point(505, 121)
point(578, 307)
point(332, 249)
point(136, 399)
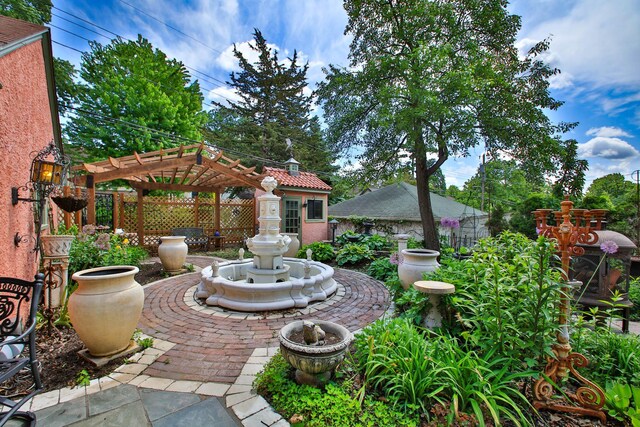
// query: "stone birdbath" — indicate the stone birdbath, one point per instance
point(314, 348)
point(434, 289)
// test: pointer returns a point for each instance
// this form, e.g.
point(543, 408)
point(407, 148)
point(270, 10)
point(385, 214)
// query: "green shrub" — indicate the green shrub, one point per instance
point(92, 248)
point(376, 242)
point(354, 253)
point(634, 297)
point(614, 356)
point(321, 252)
point(618, 398)
point(413, 370)
point(506, 297)
point(382, 269)
point(338, 405)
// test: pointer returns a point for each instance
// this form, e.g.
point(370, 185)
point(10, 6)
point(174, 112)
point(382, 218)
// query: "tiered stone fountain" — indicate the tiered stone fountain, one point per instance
point(268, 281)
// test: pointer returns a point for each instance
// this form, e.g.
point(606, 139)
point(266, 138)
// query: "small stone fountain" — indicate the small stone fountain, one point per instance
point(314, 348)
point(268, 281)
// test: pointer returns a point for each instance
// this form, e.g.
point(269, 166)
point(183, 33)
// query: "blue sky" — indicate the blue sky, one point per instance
point(595, 43)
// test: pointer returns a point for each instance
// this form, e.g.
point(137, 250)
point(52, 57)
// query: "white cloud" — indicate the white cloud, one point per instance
point(607, 132)
point(607, 148)
point(595, 42)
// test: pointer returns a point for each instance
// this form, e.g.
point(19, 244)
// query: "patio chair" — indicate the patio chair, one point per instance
point(18, 307)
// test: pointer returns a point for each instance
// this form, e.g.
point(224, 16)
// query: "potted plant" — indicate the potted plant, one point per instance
point(58, 243)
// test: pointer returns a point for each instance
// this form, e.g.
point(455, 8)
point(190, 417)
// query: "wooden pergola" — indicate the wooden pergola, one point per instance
point(190, 168)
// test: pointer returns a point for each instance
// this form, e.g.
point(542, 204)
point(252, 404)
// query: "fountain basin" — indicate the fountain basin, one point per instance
point(230, 288)
point(314, 363)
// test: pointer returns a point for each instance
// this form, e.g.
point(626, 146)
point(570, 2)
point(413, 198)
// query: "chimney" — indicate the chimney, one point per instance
point(292, 167)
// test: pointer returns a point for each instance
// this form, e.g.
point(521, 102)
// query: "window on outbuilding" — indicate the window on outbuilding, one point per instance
point(315, 209)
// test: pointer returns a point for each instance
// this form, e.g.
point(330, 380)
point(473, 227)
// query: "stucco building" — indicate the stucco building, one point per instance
point(28, 123)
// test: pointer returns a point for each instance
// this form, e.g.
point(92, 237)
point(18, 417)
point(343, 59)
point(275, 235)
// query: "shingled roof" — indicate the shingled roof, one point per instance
point(306, 180)
point(400, 202)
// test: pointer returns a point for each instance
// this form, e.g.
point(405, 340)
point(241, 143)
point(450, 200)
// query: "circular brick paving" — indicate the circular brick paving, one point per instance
point(215, 348)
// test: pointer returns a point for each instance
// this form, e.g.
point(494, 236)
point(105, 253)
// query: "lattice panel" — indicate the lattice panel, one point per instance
point(237, 220)
point(162, 214)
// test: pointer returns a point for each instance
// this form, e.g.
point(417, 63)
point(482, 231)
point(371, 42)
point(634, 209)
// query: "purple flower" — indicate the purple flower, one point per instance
point(449, 222)
point(394, 258)
point(609, 247)
point(102, 242)
point(89, 229)
point(538, 231)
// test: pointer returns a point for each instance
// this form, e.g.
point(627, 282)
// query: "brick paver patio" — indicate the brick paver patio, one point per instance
point(211, 347)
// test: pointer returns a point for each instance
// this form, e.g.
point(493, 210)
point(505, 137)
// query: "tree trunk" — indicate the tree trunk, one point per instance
point(431, 239)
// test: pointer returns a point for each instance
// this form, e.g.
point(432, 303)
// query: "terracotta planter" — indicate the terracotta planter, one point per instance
point(416, 262)
point(56, 246)
point(294, 246)
point(173, 253)
point(314, 363)
point(106, 307)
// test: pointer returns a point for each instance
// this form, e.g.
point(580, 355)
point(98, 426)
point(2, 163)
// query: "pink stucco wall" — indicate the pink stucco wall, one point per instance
point(312, 231)
point(25, 127)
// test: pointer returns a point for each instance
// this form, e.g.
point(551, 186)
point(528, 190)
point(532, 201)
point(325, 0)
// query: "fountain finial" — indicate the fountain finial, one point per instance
point(269, 184)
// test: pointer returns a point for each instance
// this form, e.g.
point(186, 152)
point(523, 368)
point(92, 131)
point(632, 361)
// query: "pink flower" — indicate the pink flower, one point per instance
point(609, 247)
point(449, 222)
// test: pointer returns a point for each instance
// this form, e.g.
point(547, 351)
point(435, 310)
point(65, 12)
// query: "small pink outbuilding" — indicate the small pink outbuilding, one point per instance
point(304, 204)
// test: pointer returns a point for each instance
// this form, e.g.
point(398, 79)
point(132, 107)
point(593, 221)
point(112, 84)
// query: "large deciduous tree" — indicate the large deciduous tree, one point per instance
point(436, 78)
point(36, 11)
point(134, 98)
point(273, 107)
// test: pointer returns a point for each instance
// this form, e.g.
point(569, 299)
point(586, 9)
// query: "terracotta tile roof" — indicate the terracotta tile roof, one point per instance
point(14, 30)
point(304, 180)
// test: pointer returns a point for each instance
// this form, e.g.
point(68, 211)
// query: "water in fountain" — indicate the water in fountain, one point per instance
point(268, 281)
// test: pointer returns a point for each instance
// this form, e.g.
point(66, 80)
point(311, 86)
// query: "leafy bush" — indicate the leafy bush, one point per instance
point(92, 248)
point(338, 404)
point(634, 297)
point(376, 242)
point(616, 357)
point(320, 251)
point(506, 297)
point(382, 269)
point(354, 253)
point(411, 370)
point(618, 397)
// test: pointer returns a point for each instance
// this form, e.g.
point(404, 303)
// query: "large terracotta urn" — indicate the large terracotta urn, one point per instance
point(56, 246)
point(173, 253)
point(294, 245)
point(314, 361)
point(106, 307)
point(416, 262)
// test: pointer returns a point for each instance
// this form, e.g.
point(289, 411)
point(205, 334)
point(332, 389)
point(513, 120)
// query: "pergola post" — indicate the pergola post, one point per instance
point(140, 212)
point(216, 219)
point(91, 196)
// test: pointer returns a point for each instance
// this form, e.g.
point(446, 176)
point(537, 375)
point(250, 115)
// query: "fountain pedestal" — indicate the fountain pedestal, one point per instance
point(269, 281)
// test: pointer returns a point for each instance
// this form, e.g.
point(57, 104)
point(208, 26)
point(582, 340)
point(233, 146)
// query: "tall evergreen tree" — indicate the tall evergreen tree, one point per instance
point(272, 108)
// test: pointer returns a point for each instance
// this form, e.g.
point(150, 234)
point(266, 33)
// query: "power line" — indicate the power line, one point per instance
point(169, 26)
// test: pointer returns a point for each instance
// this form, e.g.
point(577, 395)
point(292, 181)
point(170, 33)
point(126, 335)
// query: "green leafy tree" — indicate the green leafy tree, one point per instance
point(435, 79)
point(35, 11)
point(571, 180)
point(613, 185)
point(129, 88)
point(272, 108)
point(523, 221)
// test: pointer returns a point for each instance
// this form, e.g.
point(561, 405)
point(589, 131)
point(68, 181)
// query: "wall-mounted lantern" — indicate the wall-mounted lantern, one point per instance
point(48, 171)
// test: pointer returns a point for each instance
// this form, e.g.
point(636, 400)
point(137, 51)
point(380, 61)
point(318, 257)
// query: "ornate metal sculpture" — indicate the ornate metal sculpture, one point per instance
point(588, 398)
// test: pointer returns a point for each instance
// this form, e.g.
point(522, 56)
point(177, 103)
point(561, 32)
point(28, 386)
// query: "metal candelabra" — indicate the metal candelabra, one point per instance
point(588, 398)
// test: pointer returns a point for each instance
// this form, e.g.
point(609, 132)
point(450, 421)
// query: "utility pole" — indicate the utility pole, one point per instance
point(484, 175)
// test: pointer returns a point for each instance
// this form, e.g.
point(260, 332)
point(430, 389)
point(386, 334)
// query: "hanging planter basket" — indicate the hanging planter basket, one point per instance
point(70, 203)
